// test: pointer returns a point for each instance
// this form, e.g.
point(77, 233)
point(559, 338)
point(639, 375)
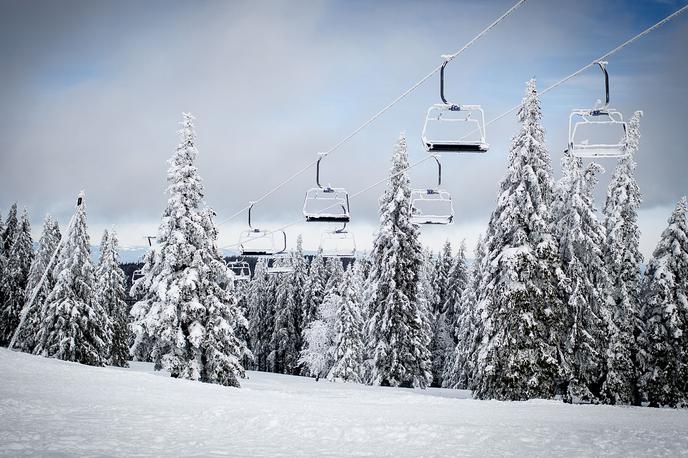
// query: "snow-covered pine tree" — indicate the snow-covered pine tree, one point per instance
point(75, 327)
point(623, 259)
point(188, 316)
point(457, 282)
point(299, 279)
point(334, 272)
point(110, 295)
point(522, 279)
point(469, 327)
point(15, 279)
point(10, 231)
point(399, 343)
point(260, 316)
point(2, 256)
point(285, 341)
point(48, 243)
point(319, 338)
point(348, 341)
point(314, 291)
point(443, 266)
point(581, 242)
point(664, 342)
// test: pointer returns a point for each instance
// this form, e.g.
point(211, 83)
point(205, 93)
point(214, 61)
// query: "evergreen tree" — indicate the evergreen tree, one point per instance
point(286, 336)
point(10, 230)
point(441, 281)
point(47, 247)
point(9, 233)
point(665, 315)
point(260, 316)
point(522, 278)
point(75, 327)
point(334, 272)
point(188, 316)
point(623, 259)
point(399, 343)
point(581, 243)
point(469, 331)
point(319, 338)
point(457, 282)
point(348, 341)
point(110, 296)
point(314, 291)
point(13, 283)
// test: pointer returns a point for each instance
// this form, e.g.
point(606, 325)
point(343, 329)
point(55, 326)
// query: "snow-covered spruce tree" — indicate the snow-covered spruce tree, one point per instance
point(524, 314)
point(581, 242)
point(319, 338)
point(260, 316)
point(469, 327)
point(188, 317)
point(75, 327)
point(314, 291)
point(110, 295)
point(443, 266)
point(348, 342)
point(664, 342)
point(334, 272)
point(285, 341)
point(10, 229)
point(299, 279)
point(399, 343)
point(623, 259)
point(2, 256)
point(16, 275)
point(457, 283)
point(47, 245)
point(9, 233)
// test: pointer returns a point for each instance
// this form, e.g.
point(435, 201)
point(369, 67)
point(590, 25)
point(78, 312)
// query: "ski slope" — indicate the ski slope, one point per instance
point(56, 408)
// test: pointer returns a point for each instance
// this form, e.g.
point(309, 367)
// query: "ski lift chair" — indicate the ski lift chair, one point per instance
point(326, 204)
point(432, 206)
point(277, 266)
point(338, 243)
point(259, 242)
point(454, 128)
point(600, 132)
point(240, 269)
point(138, 273)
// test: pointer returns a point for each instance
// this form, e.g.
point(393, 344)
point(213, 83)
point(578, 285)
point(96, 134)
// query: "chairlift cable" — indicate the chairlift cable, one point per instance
point(449, 58)
point(548, 89)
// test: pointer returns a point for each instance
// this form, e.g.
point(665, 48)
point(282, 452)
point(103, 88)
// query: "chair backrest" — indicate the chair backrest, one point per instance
point(594, 134)
point(256, 242)
point(326, 204)
point(431, 207)
point(452, 128)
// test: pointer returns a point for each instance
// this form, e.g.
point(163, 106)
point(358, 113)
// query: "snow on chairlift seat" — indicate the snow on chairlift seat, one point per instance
point(455, 128)
point(600, 132)
point(338, 244)
point(431, 206)
point(256, 242)
point(240, 269)
point(327, 205)
point(597, 134)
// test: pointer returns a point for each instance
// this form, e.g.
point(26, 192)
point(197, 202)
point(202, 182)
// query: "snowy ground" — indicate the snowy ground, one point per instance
point(50, 407)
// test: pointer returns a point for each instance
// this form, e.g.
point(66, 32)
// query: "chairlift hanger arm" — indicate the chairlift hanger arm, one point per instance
point(444, 99)
point(603, 66)
point(439, 170)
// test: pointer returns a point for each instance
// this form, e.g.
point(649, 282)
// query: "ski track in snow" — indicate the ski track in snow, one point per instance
point(55, 408)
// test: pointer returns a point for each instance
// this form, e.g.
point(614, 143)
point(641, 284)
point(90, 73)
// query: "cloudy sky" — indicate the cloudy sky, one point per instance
point(92, 93)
